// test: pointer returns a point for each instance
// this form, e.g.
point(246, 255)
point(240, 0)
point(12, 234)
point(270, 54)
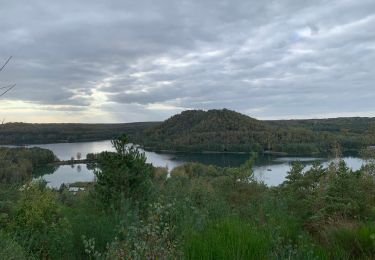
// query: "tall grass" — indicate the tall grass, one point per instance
point(354, 242)
point(88, 221)
point(230, 238)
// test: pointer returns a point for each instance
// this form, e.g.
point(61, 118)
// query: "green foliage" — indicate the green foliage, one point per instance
point(122, 175)
point(8, 196)
point(242, 174)
point(17, 164)
point(9, 249)
point(356, 242)
point(89, 220)
point(228, 131)
point(215, 130)
point(38, 225)
point(153, 238)
point(323, 196)
point(228, 239)
point(136, 211)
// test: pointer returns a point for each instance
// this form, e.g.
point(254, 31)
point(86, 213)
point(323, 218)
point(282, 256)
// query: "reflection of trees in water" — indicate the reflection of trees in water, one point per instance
point(47, 169)
point(51, 169)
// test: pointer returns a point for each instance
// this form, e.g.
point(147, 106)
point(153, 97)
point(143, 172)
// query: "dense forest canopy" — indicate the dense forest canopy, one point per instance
point(358, 125)
point(229, 131)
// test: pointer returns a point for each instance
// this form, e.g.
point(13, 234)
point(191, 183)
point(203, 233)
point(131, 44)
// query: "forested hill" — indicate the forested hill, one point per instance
point(198, 121)
point(23, 133)
point(212, 130)
point(229, 131)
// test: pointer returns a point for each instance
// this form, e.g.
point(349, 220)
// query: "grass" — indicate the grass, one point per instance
point(229, 238)
point(355, 242)
point(87, 221)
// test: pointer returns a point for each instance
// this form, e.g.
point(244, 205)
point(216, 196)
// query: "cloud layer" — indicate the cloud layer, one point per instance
point(122, 60)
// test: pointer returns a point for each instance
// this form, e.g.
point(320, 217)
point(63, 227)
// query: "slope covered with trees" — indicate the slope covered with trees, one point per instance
point(229, 131)
point(352, 133)
point(214, 130)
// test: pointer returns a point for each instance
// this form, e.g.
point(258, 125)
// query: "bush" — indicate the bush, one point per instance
point(9, 249)
point(152, 238)
point(38, 224)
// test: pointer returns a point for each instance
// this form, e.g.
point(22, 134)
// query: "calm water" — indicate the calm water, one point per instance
point(270, 170)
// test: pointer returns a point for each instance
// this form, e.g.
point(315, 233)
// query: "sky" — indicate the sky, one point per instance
point(126, 61)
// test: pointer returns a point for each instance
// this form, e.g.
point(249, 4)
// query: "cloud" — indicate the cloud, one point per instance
point(131, 60)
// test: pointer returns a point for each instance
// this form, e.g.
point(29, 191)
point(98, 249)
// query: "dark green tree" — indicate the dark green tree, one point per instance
point(123, 174)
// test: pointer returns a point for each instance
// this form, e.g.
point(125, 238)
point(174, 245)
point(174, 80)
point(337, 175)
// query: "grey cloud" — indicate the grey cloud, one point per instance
point(149, 59)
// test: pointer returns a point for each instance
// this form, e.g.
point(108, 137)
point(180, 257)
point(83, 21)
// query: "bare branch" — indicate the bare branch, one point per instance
point(11, 87)
point(1, 69)
point(6, 87)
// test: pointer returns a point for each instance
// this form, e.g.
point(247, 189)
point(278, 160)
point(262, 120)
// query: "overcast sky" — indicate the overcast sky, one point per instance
point(126, 60)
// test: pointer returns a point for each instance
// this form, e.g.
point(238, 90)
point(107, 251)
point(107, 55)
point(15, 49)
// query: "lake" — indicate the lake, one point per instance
point(268, 169)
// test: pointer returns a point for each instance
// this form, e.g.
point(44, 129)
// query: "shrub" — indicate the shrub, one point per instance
point(38, 224)
point(10, 249)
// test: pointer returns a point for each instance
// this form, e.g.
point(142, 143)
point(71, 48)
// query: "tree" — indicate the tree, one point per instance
point(296, 173)
point(244, 173)
point(123, 174)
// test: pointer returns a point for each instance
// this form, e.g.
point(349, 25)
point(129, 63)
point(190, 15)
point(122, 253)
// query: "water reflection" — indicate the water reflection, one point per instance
point(65, 174)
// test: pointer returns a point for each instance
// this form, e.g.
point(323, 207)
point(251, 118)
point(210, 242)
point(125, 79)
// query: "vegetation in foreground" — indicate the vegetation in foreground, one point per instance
point(134, 211)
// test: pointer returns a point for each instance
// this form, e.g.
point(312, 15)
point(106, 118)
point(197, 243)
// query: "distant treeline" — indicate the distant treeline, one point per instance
point(213, 130)
point(351, 133)
point(23, 133)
